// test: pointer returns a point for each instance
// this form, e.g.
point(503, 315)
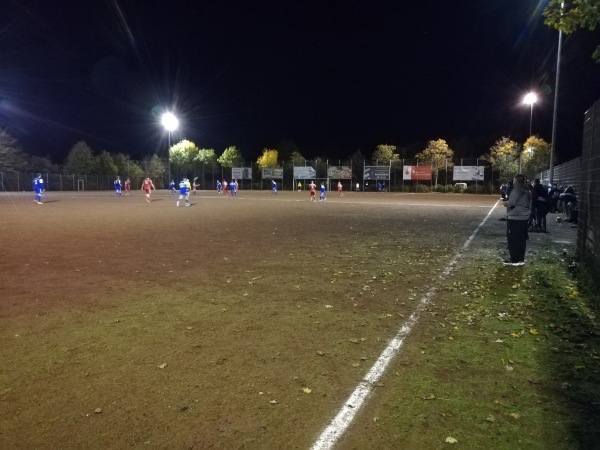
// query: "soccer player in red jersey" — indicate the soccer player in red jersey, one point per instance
point(147, 187)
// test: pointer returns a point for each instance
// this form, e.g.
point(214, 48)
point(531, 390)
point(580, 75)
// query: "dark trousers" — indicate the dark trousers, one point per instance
point(516, 234)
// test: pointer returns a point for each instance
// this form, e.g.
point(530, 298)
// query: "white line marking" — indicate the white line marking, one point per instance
point(342, 421)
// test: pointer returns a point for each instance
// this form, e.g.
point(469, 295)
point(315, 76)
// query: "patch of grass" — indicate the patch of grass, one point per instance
point(509, 358)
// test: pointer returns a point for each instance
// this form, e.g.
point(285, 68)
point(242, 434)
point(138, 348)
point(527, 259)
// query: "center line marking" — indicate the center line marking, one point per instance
point(342, 421)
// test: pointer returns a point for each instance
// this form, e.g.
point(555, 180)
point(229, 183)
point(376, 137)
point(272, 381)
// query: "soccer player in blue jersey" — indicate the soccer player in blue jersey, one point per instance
point(274, 186)
point(184, 192)
point(322, 194)
point(38, 188)
point(172, 186)
point(117, 184)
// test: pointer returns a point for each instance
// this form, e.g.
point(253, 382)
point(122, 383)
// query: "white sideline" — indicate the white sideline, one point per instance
point(342, 421)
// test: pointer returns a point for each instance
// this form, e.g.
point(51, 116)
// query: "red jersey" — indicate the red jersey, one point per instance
point(147, 185)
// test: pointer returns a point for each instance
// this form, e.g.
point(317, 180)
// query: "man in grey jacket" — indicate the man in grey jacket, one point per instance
point(518, 208)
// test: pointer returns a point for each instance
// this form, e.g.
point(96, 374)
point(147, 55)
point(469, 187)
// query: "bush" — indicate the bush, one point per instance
point(423, 188)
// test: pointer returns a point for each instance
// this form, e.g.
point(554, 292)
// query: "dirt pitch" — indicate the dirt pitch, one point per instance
point(235, 323)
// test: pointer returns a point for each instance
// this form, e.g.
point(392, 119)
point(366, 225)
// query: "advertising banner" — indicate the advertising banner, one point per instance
point(241, 173)
point(272, 172)
point(416, 173)
point(468, 173)
point(304, 172)
point(339, 172)
point(376, 173)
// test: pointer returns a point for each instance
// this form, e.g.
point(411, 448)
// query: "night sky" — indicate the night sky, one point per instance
point(331, 76)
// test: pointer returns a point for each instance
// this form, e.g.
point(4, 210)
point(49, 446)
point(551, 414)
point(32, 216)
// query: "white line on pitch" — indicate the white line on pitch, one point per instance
point(342, 421)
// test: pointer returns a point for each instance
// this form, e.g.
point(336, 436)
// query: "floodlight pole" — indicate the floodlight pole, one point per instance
point(555, 113)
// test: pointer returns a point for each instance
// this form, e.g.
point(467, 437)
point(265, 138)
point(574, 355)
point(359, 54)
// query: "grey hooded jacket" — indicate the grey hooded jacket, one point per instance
point(519, 203)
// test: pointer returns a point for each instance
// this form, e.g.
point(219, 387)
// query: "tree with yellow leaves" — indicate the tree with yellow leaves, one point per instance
point(439, 155)
point(268, 159)
point(503, 156)
point(535, 156)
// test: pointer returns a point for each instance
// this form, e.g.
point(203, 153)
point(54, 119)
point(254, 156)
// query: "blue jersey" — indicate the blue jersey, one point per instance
point(117, 184)
point(184, 187)
point(322, 189)
point(38, 185)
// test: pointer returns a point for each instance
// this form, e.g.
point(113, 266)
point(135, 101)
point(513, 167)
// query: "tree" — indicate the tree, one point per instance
point(297, 158)
point(268, 159)
point(286, 148)
point(230, 158)
point(105, 165)
point(385, 154)
point(155, 169)
point(503, 156)
point(535, 156)
point(206, 156)
point(569, 16)
point(80, 160)
point(183, 153)
point(358, 165)
point(12, 158)
point(439, 155)
point(126, 167)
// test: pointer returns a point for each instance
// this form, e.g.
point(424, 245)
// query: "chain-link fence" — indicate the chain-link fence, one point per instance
point(363, 175)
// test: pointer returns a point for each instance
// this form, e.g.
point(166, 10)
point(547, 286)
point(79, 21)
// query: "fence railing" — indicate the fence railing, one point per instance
point(206, 176)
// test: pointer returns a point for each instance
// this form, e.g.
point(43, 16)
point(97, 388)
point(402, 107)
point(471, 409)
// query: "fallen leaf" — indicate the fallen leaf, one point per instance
point(451, 440)
point(307, 390)
point(490, 418)
point(515, 416)
point(162, 366)
point(98, 410)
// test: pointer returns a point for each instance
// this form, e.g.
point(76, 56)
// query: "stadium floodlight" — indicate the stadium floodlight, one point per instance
point(170, 123)
point(530, 99)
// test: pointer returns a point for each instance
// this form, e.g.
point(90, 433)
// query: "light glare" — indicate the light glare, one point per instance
point(530, 98)
point(169, 121)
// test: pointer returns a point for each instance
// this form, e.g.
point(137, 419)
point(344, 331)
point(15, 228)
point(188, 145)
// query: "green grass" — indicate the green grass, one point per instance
point(506, 358)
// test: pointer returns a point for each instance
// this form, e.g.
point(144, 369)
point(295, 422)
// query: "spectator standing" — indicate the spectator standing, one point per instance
point(518, 208)
point(540, 205)
point(554, 197)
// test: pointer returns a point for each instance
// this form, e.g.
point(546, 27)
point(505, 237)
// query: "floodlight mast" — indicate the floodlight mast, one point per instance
point(530, 99)
point(170, 123)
